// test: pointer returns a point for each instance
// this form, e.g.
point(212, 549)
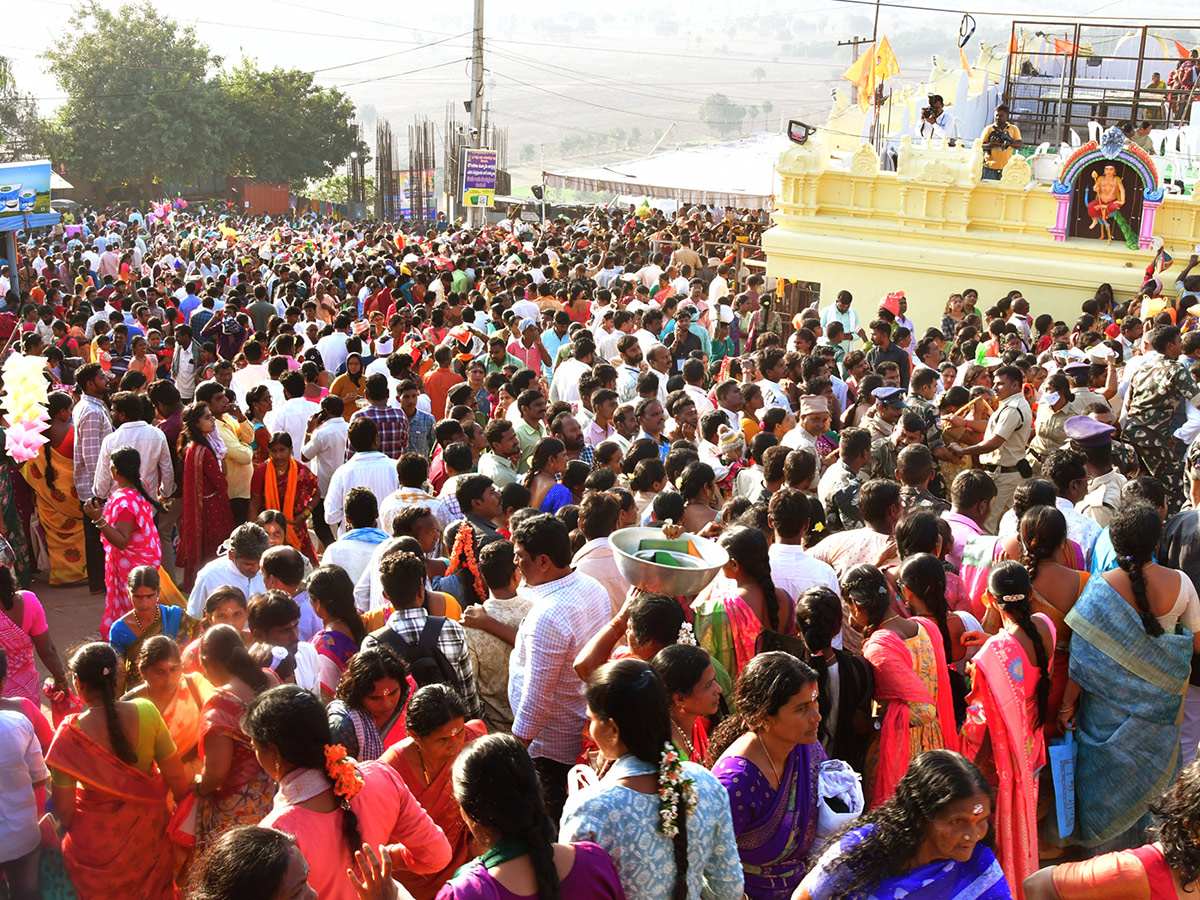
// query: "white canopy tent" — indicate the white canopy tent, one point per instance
point(736, 174)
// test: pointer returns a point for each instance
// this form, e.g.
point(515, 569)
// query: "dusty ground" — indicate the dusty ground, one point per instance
point(72, 614)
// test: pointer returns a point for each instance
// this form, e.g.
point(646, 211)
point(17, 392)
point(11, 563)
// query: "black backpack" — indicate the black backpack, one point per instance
point(426, 662)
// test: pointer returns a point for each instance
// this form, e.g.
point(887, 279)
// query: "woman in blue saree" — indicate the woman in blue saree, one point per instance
point(1130, 664)
point(932, 830)
point(768, 757)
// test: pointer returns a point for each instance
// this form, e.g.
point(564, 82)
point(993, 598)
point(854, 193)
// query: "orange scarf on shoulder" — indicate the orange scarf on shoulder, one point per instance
point(288, 507)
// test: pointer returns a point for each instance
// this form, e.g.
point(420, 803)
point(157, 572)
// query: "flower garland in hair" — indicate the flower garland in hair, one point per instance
point(686, 635)
point(344, 774)
point(463, 556)
point(674, 788)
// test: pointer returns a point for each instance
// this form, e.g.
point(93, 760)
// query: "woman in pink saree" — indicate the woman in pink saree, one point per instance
point(912, 681)
point(741, 602)
point(1010, 693)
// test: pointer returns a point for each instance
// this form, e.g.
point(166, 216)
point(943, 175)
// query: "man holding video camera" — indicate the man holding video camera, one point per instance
point(1000, 139)
point(938, 124)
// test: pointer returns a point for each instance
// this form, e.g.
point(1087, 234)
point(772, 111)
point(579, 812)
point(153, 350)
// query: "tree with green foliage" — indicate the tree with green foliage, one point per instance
point(721, 115)
point(141, 107)
point(21, 131)
point(147, 104)
point(767, 108)
point(335, 189)
point(284, 127)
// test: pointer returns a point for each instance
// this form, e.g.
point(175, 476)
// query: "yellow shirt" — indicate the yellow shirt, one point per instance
point(997, 157)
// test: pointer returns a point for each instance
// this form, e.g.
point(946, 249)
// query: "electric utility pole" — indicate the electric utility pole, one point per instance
point(477, 215)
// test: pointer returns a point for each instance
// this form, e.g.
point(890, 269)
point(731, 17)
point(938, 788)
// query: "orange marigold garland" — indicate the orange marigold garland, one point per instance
point(463, 556)
point(341, 769)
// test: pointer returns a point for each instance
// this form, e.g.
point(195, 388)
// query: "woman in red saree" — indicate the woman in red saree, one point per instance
point(912, 681)
point(232, 788)
point(206, 517)
point(1010, 692)
point(1164, 870)
point(1042, 533)
point(438, 730)
point(288, 486)
point(110, 769)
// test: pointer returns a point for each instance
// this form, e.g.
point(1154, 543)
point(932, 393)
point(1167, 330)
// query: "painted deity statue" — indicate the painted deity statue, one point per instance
point(1110, 196)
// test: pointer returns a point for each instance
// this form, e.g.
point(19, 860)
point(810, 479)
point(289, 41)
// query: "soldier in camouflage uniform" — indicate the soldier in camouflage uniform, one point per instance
point(922, 389)
point(1154, 410)
point(838, 488)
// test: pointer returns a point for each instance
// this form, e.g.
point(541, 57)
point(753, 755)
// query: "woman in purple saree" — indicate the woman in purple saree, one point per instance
point(769, 757)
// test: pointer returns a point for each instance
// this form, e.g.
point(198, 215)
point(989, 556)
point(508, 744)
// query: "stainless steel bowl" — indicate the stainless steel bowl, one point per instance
point(660, 579)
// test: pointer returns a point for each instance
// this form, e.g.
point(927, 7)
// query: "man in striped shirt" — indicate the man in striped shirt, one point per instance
point(546, 696)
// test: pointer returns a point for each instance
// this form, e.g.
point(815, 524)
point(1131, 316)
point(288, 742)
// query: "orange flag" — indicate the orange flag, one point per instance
point(1012, 44)
point(963, 57)
point(871, 69)
point(1182, 50)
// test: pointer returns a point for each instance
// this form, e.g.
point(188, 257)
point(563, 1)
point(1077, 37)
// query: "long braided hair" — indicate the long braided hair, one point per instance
point(748, 546)
point(922, 574)
point(1041, 533)
point(1135, 530)
point(1012, 589)
point(497, 787)
point(128, 464)
point(630, 694)
point(293, 721)
point(57, 402)
point(95, 667)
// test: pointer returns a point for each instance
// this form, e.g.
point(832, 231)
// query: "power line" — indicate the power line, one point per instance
point(1009, 14)
point(388, 55)
point(616, 83)
point(773, 60)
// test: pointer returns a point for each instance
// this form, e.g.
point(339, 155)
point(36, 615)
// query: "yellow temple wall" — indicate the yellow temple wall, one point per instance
point(933, 228)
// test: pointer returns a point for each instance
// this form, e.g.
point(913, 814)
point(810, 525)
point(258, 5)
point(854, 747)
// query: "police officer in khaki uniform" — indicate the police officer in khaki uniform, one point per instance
point(1094, 440)
point(1002, 450)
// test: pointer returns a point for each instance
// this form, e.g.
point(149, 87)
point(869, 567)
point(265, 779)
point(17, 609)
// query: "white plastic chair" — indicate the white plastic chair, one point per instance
point(1094, 131)
point(1158, 138)
point(1075, 141)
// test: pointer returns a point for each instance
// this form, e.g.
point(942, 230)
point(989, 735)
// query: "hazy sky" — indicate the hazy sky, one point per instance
point(549, 85)
point(314, 35)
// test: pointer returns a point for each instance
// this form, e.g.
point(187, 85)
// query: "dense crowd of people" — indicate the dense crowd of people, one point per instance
point(346, 492)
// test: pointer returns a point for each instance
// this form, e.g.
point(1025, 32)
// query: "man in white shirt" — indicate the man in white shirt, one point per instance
point(332, 347)
point(630, 351)
point(323, 451)
point(157, 473)
point(354, 549)
point(693, 385)
point(239, 568)
point(792, 569)
point(719, 286)
point(565, 385)
point(368, 468)
point(254, 373)
point(296, 411)
point(936, 123)
point(773, 369)
point(648, 274)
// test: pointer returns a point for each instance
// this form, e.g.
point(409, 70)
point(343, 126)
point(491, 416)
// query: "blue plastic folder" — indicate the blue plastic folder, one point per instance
point(1061, 753)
